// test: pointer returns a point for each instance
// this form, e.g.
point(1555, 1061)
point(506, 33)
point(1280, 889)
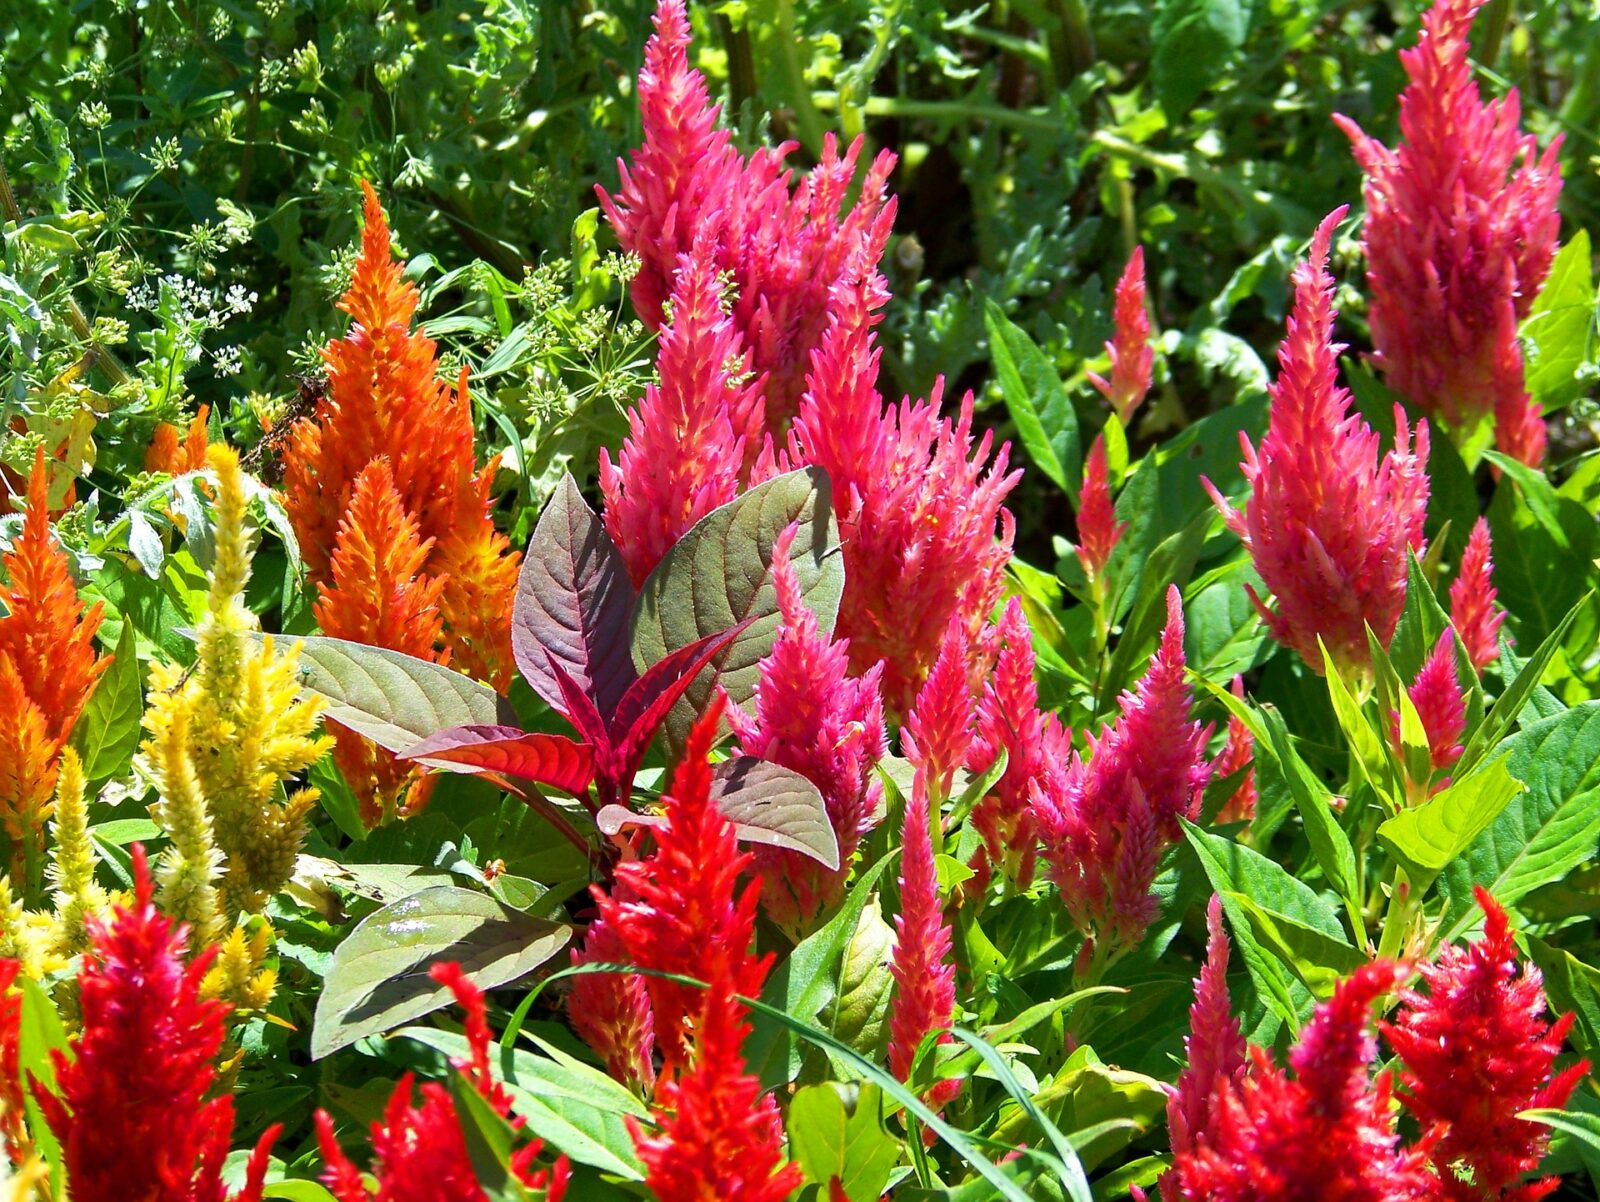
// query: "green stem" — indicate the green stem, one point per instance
point(1034, 120)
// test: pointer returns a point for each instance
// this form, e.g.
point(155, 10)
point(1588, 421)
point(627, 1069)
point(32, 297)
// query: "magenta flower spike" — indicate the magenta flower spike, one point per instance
point(1460, 232)
point(1329, 522)
point(1238, 752)
point(939, 731)
point(1098, 528)
point(1474, 606)
point(1441, 703)
point(1132, 358)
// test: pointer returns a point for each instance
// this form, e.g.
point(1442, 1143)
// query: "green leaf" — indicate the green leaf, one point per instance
point(1425, 839)
point(720, 574)
point(1559, 325)
point(107, 734)
point(379, 975)
point(860, 1011)
point(298, 1191)
point(1546, 831)
point(1319, 960)
point(1047, 425)
point(1583, 1127)
point(40, 1033)
point(1573, 985)
point(1194, 42)
point(837, 1130)
point(393, 699)
point(803, 983)
point(489, 1141)
point(570, 1105)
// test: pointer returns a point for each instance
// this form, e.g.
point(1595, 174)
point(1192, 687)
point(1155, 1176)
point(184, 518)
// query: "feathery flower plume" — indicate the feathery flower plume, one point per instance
point(1215, 1049)
point(224, 739)
point(939, 729)
point(1104, 822)
point(917, 507)
point(1132, 358)
point(175, 452)
point(384, 401)
point(1329, 523)
point(1478, 1051)
point(687, 437)
point(1098, 528)
point(75, 892)
point(1327, 1134)
point(813, 718)
point(1460, 232)
point(419, 1153)
point(611, 1011)
point(13, 1134)
point(48, 668)
point(1008, 719)
point(1474, 609)
point(1440, 703)
point(782, 247)
point(924, 997)
point(1239, 752)
point(132, 1114)
point(378, 593)
point(678, 909)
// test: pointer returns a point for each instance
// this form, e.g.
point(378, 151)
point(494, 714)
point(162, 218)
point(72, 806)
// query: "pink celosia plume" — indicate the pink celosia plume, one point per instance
point(1105, 821)
point(687, 437)
point(1440, 703)
point(1460, 231)
point(1329, 522)
point(812, 717)
point(1477, 1051)
point(1474, 606)
point(1238, 754)
point(1098, 528)
point(611, 1011)
point(938, 731)
point(1132, 357)
point(783, 243)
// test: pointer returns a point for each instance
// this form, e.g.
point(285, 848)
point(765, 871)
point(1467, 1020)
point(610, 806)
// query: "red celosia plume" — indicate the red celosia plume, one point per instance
point(1478, 1051)
point(783, 244)
point(1474, 609)
point(48, 666)
point(132, 1113)
point(1238, 753)
point(1098, 528)
point(1329, 523)
point(1132, 358)
point(1460, 231)
point(611, 1011)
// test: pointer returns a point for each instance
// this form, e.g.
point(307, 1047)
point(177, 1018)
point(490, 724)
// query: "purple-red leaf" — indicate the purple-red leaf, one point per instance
point(574, 602)
point(552, 760)
point(580, 710)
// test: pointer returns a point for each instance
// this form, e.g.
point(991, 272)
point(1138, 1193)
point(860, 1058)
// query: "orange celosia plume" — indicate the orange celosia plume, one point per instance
point(391, 510)
point(173, 451)
point(48, 667)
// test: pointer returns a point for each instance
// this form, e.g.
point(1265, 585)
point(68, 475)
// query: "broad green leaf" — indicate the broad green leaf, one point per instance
point(1425, 839)
point(1581, 1126)
point(570, 1105)
point(1319, 960)
point(860, 1009)
point(1047, 424)
point(720, 574)
point(1546, 831)
point(393, 699)
point(107, 734)
point(1571, 985)
point(379, 975)
point(1543, 551)
point(837, 1130)
point(1559, 326)
point(40, 1034)
point(1194, 42)
point(1101, 1109)
point(489, 1141)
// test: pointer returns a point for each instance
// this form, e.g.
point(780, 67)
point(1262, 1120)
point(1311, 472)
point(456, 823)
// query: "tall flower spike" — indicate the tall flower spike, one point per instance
point(1478, 1051)
point(917, 506)
point(1329, 523)
point(812, 717)
point(938, 732)
point(611, 1011)
point(132, 1114)
point(1325, 1135)
point(924, 997)
point(1474, 608)
point(783, 244)
point(48, 668)
point(1238, 753)
point(385, 401)
point(1215, 1051)
point(687, 437)
point(679, 909)
point(1098, 528)
point(1440, 703)
point(1132, 358)
point(1460, 231)
point(379, 594)
point(76, 894)
point(1104, 823)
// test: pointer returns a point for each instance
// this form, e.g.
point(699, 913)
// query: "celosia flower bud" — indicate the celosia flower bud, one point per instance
point(1474, 609)
point(1477, 1052)
point(1132, 358)
point(1098, 528)
point(1238, 753)
point(1329, 523)
point(687, 437)
point(1440, 703)
point(132, 1113)
point(1460, 231)
point(924, 995)
point(814, 718)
